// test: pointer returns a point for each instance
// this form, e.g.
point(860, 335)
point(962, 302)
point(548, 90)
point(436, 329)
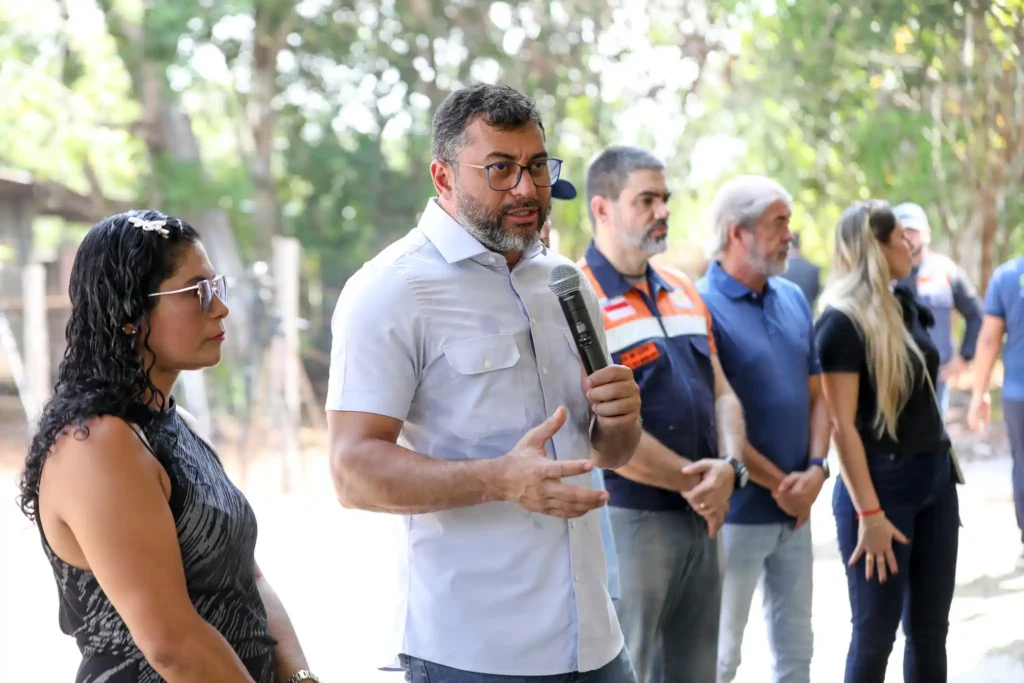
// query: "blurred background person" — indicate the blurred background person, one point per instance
point(765, 338)
point(896, 506)
point(942, 286)
point(1004, 315)
point(805, 274)
point(669, 501)
point(566, 191)
point(151, 545)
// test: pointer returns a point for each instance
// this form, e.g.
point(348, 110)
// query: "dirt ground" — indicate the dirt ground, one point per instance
point(335, 571)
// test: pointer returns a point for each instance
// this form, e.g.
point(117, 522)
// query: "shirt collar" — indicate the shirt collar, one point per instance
point(612, 282)
point(730, 286)
point(453, 241)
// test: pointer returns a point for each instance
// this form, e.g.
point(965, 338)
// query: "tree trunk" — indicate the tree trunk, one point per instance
point(167, 132)
point(212, 224)
point(987, 207)
point(268, 36)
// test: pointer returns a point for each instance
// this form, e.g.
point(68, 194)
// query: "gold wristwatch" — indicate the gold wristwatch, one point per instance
point(303, 675)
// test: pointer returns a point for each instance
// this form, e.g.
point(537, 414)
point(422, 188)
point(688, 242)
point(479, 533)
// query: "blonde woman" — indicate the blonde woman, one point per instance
point(895, 504)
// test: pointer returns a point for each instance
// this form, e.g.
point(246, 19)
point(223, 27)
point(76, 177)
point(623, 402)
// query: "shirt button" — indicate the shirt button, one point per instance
point(576, 578)
point(545, 371)
point(572, 525)
point(487, 363)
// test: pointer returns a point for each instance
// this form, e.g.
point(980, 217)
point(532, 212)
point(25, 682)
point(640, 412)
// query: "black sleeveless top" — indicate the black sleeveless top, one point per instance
point(217, 536)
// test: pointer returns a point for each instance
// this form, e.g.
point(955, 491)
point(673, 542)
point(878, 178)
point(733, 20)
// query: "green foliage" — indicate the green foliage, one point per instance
point(887, 99)
point(837, 100)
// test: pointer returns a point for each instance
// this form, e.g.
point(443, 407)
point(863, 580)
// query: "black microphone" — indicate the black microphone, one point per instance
point(564, 282)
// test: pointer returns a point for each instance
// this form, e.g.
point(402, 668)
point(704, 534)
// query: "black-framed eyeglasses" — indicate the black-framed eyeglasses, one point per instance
point(205, 289)
point(503, 176)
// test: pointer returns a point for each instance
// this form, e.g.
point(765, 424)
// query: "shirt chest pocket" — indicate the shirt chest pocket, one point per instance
point(486, 392)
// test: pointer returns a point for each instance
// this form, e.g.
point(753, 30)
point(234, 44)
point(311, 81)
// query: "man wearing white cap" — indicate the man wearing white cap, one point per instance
point(941, 285)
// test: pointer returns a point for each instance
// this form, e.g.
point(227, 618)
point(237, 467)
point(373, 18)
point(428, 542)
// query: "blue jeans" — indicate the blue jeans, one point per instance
point(671, 594)
point(919, 497)
point(783, 560)
point(421, 671)
point(1013, 415)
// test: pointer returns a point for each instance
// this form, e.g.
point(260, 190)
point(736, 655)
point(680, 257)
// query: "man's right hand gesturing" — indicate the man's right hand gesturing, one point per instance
point(528, 478)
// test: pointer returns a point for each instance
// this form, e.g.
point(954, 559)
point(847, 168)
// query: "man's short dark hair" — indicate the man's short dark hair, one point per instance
point(500, 106)
point(609, 172)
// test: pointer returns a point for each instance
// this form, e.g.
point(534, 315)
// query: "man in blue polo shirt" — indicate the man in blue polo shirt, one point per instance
point(765, 338)
point(668, 502)
point(1004, 314)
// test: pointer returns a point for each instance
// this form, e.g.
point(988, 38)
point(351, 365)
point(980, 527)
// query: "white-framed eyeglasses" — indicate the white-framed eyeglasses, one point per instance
point(205, 289)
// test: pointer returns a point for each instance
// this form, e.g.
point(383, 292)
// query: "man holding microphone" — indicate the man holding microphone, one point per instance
point(457, 400)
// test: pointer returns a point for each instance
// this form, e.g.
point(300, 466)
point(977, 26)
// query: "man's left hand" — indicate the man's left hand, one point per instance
point(614, 396)
point(710, 498)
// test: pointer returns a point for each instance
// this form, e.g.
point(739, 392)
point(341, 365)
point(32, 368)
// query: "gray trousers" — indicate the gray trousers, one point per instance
point(671, 584)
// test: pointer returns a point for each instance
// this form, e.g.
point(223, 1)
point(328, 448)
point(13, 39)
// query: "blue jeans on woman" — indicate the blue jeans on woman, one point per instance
point(918, 495)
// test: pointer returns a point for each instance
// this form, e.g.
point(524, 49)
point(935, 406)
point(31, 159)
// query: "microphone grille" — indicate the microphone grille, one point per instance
point(564, 279)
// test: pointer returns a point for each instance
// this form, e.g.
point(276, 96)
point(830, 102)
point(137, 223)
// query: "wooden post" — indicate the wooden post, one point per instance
point(9, 344)
point(286, 273)
point(36, 338)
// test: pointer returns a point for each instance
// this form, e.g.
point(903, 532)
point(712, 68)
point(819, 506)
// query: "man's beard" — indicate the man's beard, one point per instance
point(648, 243)
point(487, 228)
point(769, 267)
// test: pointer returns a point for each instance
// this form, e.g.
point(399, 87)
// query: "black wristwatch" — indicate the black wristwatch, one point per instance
point(742, 478)
point(822, 463)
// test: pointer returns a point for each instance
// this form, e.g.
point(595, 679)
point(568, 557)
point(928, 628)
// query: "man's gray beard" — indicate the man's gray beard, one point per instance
point(479, 222)
point(768, 268)
point(652, 246)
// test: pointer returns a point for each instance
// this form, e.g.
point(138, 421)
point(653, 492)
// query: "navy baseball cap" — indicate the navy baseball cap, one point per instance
point(563, 189)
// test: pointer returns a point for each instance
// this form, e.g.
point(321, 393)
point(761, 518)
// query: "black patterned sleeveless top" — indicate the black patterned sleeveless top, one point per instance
point(217, 535)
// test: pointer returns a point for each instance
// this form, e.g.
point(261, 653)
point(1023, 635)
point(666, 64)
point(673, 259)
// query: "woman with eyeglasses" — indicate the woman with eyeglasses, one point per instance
point(151, 545)
point(895, 505)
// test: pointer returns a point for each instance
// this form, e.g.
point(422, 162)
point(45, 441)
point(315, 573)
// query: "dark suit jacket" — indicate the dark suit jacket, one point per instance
point(806, 275)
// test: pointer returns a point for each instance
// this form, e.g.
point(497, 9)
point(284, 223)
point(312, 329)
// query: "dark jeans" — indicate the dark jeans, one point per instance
point(618, 670)
point(1013, 415)
point(919, 497)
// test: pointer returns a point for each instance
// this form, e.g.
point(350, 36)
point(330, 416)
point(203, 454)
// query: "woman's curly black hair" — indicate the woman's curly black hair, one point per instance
point(117, 267)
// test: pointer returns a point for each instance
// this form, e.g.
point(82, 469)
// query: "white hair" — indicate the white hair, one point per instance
point(742, 201)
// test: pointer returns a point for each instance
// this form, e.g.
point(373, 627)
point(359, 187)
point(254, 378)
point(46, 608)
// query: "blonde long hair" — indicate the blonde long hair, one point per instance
point(859, 287)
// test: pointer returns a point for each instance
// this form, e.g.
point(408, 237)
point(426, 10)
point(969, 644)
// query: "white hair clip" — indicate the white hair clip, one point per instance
point(150, 226)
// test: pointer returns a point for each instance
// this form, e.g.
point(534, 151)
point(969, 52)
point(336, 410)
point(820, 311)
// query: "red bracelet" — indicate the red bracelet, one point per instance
point(868, 513)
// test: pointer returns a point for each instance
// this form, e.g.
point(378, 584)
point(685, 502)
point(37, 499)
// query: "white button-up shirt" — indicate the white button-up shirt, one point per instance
point(437, 332)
